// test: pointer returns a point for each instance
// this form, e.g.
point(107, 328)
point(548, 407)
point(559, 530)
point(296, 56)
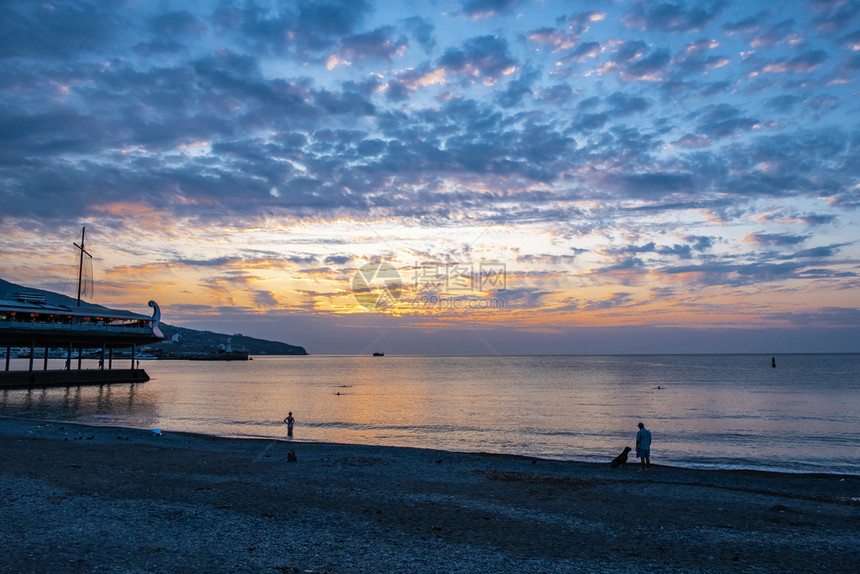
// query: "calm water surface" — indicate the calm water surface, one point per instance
point(725, 411)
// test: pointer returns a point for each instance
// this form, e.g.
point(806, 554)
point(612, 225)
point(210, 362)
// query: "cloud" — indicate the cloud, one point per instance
point(824, 316)
point(264, 299)
point(557, 94)
point(159, 47)
point(625, 104)
point(803, 63)
point(694, 141)
point(682, 251)
point(821, 252)
point(761, 34)
point(569, 38)
point(489, 8)
point(484, 58)
point(423, 31)
point(634, 63)
point(724, 120)
point(730, 273)
point(613, 301)
point(694, 58)
point(177, 24)
point(668, 17)
point(747, 25)
point(783, 103)
point(816, 273)
point(817, 219)
point(303, 28)
point(216, 262)
point(519, 88)
point(375, 44)
point(650, 184)
point(779, 240)
point(850, 65)
point(586, 122)
point(836, 16)
point(701, 243)
point(60, 31)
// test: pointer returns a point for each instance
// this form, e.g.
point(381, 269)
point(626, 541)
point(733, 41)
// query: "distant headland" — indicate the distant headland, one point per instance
point(181, 342)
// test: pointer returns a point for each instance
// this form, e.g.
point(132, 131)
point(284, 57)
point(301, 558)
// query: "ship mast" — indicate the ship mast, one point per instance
point(81, 265)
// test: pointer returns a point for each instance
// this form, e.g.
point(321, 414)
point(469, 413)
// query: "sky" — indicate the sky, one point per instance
point(463, 176)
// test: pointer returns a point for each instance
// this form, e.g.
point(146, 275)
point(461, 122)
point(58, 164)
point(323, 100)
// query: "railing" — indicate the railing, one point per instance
point(27, 326)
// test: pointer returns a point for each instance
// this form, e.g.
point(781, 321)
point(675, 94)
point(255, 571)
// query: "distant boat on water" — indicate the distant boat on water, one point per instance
point(378, 354)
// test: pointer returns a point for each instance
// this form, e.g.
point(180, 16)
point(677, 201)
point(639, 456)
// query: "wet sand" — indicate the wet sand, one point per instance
point(97, 499)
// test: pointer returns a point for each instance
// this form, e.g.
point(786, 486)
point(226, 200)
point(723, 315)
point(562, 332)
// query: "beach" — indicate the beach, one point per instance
point(100, 499)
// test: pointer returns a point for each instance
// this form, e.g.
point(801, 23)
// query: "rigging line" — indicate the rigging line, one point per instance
point(366, 224)
point(481, 234)
point(66, 284)
point(88, 287)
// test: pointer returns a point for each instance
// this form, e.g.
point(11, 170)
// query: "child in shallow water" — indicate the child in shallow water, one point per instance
point(289, 422)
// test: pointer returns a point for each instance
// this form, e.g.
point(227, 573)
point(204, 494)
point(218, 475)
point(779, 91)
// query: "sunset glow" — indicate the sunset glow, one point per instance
point(542, 176)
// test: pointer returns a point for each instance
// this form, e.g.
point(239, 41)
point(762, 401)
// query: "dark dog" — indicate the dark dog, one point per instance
point(621, 459)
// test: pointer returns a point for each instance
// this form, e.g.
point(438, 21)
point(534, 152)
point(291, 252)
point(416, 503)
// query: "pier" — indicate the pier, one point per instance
point(70, 378)
point(29, 322)
point(48, 321)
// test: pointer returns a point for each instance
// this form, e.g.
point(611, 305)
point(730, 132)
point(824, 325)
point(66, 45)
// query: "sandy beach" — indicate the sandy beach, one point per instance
point(98, 499)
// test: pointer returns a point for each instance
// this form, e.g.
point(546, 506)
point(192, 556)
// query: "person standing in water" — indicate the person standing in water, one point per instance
point(289, 422)
point(643, 446)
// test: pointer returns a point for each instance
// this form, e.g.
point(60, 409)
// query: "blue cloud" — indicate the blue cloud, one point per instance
point(668, 17)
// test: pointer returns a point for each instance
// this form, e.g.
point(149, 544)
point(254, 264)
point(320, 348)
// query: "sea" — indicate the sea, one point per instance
point(704, 411)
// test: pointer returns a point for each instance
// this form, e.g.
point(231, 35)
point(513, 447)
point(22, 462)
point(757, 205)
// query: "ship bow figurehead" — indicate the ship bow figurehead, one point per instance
point(156, 319)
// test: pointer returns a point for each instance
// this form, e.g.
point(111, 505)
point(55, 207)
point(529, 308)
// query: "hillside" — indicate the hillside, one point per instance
point(191, 341)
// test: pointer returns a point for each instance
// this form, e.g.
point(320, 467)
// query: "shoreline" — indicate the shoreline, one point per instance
point(115, 499)
point(632, 462)
point(776, 422)
point(560, 459)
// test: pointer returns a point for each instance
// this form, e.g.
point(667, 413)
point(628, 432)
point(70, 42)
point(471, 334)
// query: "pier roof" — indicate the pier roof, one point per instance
point(40, 324)
point(85, 310)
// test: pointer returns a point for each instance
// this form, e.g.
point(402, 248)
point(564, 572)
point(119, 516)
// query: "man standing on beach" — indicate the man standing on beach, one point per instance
point(643, 446)
point(289, 421)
